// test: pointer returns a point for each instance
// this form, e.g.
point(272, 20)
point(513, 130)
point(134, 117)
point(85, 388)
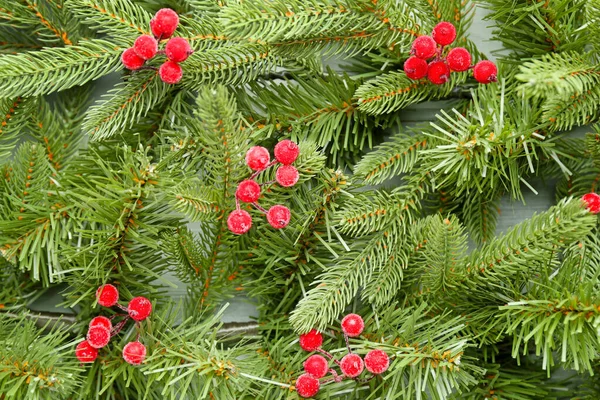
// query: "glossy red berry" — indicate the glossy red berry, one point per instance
point(593, 202)
point(279, 216)
point(316, 366)
point(139, 308)
point(287, 175)
point(131, 60)
point(107, 295)
point(352, 365)
point(415, 68)
point(239, 222)
point(248, 191)
point(178, 49)
point(311, 341)
point(145, 47)
point(459, 59)
point(134, 353)
point(307, 386)
point(444, 33)
point(286, 152)
point(377, 362)
point(424, 47)
point(170, 72)
point(257, 158)
point(353, 325)
point(101, 321)
point(85, 353)
point(485, 72)
point(98, 336)
point(164, 23)
point(438, 72)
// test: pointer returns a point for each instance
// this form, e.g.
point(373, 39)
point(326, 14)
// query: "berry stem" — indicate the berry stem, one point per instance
point(123, 308)
point(147, 67)
point(336, 377)
point(258, 207)
point(268, 183)
point(347, 344)
point(161, 52)
point(117, 328)
point(254, 175)
point(328, 355)
point(237, 204)
point(364, 380)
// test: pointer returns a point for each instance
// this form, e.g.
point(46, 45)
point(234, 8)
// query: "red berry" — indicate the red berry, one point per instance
point(257, 158)
point(101, 321)
point(134, 353)
point(424, 47)
point(307, 386)
point(107, 295)
point(170, 72)
point(353, 325)
point(485, 72)
point(444, 33)
point(86, 353)
point(352, 365)
point(139, 308)
point(248, 191)
point(459, 59)
point(593, 202)
point(438, 72)
point(145, 47)
point(279, 216)
point(239, 222)
point(316, 366)
point(131, 60)
point(311, 341)
point(415, 68)
point(178, 49)
point(98, 336)
point(164, 23)
point(377, 361)
point(286, 152)
point(287, 175)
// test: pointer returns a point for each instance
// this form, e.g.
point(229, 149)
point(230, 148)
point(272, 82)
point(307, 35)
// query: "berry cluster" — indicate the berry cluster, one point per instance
point(145, 47)
point(248, 191)
point(351, 365)
point(457, 59)
point(592, 201)
point(101, 329)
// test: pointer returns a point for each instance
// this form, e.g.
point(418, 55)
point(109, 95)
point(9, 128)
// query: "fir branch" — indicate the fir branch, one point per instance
point(15, 114)
point(480, 216)
point(196, 201)
point(123, 20)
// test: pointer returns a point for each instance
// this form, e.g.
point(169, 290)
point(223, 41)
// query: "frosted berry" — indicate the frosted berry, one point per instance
point(107, 295)
point(131, 60)
point(145, 47)
point(485, 72)
point(316, 366)
point(287, 175)
point(178, 49)
point(139, 308)
point(239, 222)
point(257, 158)
point(248, 191)
point(444, 33)
point(279, 216)
point(307, 386)
point(101, 321)
point(377, 361)
point(164, 23)
point(593, 202)
point(170, 72)
point(286, 152)
point(98, 336)
point(415, 68)
point(85, 353)
point(311, 341)
point(353, 325)
point(352, 365)
point(438, 72)
point(424, 47)
point(134, 353)
point(459, 59)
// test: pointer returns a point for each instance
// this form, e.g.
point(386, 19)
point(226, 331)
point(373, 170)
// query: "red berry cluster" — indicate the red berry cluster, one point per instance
point(248, 191)
point(351, 365)
point(145, 47)
point(101, 329)
point(592, 201)
point(457, 59)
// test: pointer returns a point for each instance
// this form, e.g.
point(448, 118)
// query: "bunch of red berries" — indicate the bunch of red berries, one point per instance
point(592, 201)
point(101, 329)
point(248, 191)
point(351, 365)
point(457, 59)
point(177, 49)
